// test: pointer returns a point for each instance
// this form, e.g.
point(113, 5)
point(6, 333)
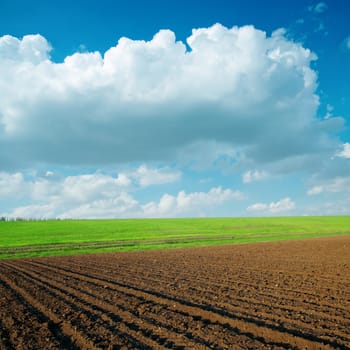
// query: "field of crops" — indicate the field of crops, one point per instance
point(54, 237)
point(279, 295)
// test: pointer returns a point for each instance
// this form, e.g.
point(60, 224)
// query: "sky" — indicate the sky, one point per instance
point(131, 109)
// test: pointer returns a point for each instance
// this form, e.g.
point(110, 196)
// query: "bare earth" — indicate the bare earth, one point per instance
point(285, 295)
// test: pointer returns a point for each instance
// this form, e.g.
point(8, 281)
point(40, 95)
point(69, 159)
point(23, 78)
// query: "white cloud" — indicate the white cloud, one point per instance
point(145, 176)
point(33, 211)
point(51, 196)
point(49, 174)
point(153, 100)
point(122, 205)
point(254, 175)
point(315, 190)
point(283, 205)
point(258, 207)
point(87, 187)
point(318, 8)
point(321, 7)
point(103, 196)
point(195, 203)
point(31, 48)
point(123, 180)
point(340, 184)
point(345, 152)
point(11, 184)
point(42, 189)
point(329, 113)
point(237, 100)
point(329, 207)
point(77, 188)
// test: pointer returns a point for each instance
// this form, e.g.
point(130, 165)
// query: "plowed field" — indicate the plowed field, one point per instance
point(285, 295)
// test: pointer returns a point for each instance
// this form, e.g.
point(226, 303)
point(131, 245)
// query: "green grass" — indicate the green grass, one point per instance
point(44, 238)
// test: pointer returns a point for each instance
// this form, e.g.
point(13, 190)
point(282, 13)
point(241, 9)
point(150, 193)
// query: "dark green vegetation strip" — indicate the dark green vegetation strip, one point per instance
point(56, 237)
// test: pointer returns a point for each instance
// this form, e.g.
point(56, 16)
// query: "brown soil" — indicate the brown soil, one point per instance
point(285, 295)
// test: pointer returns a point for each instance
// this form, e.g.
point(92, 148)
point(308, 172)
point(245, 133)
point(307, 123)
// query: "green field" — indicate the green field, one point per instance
point(64, 237)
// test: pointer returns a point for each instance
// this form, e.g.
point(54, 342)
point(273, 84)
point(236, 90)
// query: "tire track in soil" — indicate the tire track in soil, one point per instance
point(260, 331)
point(151, 336)
point(290, 326)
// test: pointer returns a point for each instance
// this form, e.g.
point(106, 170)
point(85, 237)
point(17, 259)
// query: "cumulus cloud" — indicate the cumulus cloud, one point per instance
point(31, 48)
point(339, 184)
point(33, 211)
point(71, 196)
point(254, 175)
point(345, 152)
point(145, 176)
point(11, 184)
point(103, 196)
point(86, 187)
point(281, 206)
point(76, 188)
point(122, 205)
point(98, 195)
point(83, 187)
point(253, 94)
point(190, 203)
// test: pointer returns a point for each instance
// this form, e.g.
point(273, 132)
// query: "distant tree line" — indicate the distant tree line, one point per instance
point(5, 218)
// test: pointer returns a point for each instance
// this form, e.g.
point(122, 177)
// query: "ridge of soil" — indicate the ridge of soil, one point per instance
point(281, 295)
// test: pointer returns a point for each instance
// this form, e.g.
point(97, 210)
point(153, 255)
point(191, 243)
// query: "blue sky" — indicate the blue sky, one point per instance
point(174, 108)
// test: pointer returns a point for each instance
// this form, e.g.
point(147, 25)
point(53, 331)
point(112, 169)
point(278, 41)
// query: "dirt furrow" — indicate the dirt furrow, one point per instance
point(296, 298)
point(5, 340)
point(267, 333)
point(199, 333)
point(244, 277)
point(269, 306)
point(285, 295)
point(199, 336)
point(257, 312)
point(200, 330)
point(81, 315)
point(261, 301)
point(66, 336)
point(16, 314)
point(148, 335)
